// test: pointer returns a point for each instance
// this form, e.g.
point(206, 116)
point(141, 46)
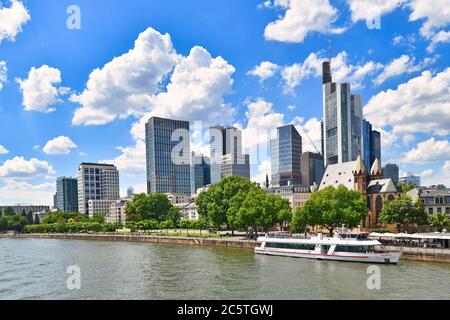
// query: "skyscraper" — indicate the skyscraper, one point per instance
point(97, 183)
point(130, 192)
point(391, 171)
point(411, 178)
point(341, 123)
point(226, 148)
point(67, 194)
point(371, 144)
point(200, 172)
point(168, 156)
point(286, 153)
point(312, 168)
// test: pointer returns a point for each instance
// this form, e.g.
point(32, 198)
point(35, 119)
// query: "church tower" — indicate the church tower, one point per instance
point(360, 175)
point(376, 172)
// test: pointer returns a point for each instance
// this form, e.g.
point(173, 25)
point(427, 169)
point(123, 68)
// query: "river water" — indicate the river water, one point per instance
point(37, 269)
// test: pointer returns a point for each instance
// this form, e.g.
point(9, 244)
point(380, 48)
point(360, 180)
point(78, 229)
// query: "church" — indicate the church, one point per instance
point(372, 184)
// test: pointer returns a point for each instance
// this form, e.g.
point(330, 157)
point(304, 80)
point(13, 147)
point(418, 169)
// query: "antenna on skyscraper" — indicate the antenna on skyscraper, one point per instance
point(329, 50)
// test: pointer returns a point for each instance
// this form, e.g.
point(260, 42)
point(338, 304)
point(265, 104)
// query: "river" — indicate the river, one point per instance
point(37, 269)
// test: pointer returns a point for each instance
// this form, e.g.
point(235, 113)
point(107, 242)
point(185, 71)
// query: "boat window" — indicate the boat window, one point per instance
point(354, 248)
point(296, 246)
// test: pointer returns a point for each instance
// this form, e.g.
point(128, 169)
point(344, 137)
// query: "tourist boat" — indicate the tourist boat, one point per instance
point(354, 247)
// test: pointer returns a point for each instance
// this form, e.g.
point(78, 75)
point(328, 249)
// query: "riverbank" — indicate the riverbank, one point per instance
point(408, 253)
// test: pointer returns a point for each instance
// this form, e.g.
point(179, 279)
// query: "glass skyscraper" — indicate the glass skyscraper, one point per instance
point(168, 156)
point(312, 168)
point(342, 120)
point(200, 172)
point(286, 152)
point(371, 144)
point(67, 194)
point(392, 171)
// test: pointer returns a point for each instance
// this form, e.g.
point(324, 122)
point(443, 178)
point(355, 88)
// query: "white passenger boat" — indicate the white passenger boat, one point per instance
point(355, 247)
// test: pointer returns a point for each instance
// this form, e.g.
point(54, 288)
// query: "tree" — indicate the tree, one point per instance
point(334, 207)
point(405, 187)
point(282, 210)
point(30, 217)
point(36, 219)
point(440, 221)
point(98, 218)
point(146, 207)
point(8, 211)
point(253, 210)
point(301, 220)
point(217, 200)
point(404, 213)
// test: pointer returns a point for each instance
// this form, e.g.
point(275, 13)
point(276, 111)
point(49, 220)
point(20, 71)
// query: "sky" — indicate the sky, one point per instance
point(79, 79)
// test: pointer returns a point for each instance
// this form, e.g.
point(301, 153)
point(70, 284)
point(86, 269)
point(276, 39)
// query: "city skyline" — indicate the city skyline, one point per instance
point(216, 67)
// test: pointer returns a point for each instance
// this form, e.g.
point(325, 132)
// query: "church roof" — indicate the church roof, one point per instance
point(359, 167)
point(381, 186)
point(337, 174)
point(376, 168)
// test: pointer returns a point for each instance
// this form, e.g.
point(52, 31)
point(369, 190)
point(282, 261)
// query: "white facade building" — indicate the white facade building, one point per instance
point(188, 211)
point(97, 182)
point(117, 211)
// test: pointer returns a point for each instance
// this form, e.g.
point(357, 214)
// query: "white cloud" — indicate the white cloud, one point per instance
point(132, 159)
point(291, 107)
point(264, 70)
point(12, 19)
point(419, 105)
point(369, 10)
point(434, 177)
point(427, 173)
point(263, 169)
point(40, 90)
point(436, 14)
point(311, 134)
point(18, 167)
point(397, 67)
point(302, 17)
point(440, 37)
point(3, 150)
point(341, 69)
point(3, 74)
point(60, 145)
point(429, 150)
point(14, 192)
point(124, 86)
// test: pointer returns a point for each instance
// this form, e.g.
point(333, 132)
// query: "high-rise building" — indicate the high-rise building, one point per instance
point(223, 141)
point(392, 171)
point(410, 178)
point(130, 192)
point(200, 172)
point(286, 154)
point(168, 156)
point(96, 182)
point(67, 194)
point(371, 144)
point(312, 168)
point(342, 120)
point(235, 166)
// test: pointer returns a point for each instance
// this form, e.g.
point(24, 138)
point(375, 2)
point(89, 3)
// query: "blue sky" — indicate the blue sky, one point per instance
point(249, 63)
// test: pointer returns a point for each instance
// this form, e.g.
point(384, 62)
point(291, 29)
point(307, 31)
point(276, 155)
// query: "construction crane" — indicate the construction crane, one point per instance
point(310, 140)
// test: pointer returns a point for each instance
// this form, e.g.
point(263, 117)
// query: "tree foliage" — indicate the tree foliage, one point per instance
point(404, 213)
point(156, 206)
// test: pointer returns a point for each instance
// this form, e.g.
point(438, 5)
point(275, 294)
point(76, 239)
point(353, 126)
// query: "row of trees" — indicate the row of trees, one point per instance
point(237, 203)
point(10, 220)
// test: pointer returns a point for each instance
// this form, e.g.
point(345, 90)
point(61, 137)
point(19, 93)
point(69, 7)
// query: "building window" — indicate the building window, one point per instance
point(439, 210)
point(439, 200)
point(430, 210)
point(447, 210)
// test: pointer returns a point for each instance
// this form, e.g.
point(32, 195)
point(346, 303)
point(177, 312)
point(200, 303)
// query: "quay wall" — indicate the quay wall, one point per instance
point(408, 253)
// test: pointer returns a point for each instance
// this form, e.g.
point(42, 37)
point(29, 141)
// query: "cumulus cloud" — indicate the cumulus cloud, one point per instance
point(18, 167)
point(125, 85)
point(60, 145)
point(370, 9)
point(3, 74)
point(264, 70)
point(41, 89)
point(440, 37)
point(311, 133)
point(12, 19)
point(15, 191)
point(302, 17)
point(419, 105)
point(429, 150)
point(3, 150)
point(400, 66)
point(264, 168)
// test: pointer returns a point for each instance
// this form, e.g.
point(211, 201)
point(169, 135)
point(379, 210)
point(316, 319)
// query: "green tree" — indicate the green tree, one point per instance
point(98, 218)
point(8, 211)
point(301, 220)
point(36, 219)
point(30, 217)
point(253, 210)
point(404, 213)
point(335, 207)
point(405, 187)
point(145, 207)
point(440, 221)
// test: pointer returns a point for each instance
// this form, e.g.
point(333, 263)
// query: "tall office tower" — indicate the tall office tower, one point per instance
point(312, 168)
point(235, 166)
point(130, 192)
point(67, 194)
point(371, 144)
point(224, 141)
point(200, 172)
point(286, 152)
point(341, 123)
point(96, 183)
point(168, 156)
point(391, 171)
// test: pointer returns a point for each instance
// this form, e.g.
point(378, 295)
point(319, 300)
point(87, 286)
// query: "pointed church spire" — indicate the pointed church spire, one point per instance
point(376, 168)
point(360, 168)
